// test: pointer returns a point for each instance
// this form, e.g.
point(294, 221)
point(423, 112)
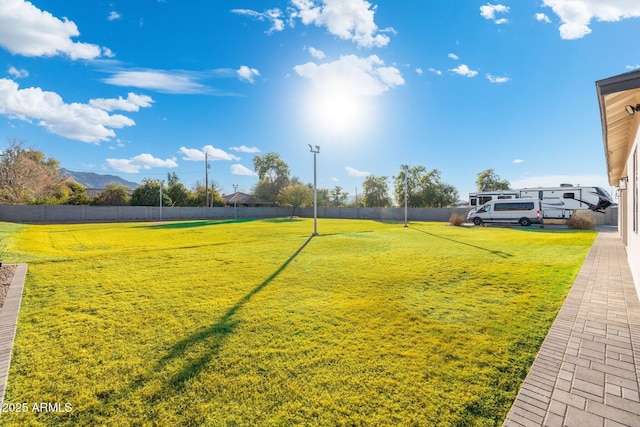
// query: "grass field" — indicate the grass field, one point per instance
point(254, 323)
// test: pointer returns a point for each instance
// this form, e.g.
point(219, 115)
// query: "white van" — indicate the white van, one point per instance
point(522, 211)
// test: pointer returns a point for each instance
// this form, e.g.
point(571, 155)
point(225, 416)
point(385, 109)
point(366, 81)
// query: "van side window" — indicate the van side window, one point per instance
point(521, 206)
point(569, 196)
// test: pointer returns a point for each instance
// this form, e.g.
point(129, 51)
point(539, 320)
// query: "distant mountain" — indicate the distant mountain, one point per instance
point(94, 180)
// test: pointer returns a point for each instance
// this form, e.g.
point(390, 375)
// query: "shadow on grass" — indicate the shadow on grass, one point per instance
point(216, 333)
point(193, 224)
point(208, 343)
point(279, 220)
point(494, 252)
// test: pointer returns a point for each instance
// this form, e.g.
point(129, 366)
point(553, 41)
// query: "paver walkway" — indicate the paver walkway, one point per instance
point(8, 324)
point(586, 372)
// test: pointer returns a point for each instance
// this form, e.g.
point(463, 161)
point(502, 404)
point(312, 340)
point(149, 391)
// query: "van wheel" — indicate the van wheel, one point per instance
point(477, 221)
point(525, 222)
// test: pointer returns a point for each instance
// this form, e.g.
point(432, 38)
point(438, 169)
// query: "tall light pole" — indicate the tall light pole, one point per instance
point(206, 178)
point(315, 191)
point(161, 185)
point(235, 199)
point(406, 190)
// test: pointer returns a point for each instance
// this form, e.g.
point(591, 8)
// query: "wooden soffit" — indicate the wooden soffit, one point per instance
point(619, 128)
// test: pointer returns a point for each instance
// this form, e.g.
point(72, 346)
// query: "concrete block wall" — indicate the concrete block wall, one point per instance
point(68, 213)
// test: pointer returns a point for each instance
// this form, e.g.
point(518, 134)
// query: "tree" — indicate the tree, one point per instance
point(27, 176)
point(148, 194)
point(114, 194)
point(76, 194)
point(199, 196)
point(179, 194)
point(415, 178)
point(338, 197)
point(488, 180)
point(273, 176)
point(424, 188)
point(376, 192)
point(172, 179)
point(296, 195)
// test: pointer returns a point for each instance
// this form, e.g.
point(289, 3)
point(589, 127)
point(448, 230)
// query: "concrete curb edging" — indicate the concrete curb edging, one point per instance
point(9, 323)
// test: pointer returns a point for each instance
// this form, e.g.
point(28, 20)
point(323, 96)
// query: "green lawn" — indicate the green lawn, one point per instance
point(253, 323)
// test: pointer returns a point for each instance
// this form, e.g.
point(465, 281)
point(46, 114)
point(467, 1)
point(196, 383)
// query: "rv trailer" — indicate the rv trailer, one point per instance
point(557, 202)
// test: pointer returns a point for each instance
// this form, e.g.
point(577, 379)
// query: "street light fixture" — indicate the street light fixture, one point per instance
point(315, 191)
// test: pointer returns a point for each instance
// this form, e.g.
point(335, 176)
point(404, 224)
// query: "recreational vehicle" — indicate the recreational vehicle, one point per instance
point(557, 202)
point(514, 211)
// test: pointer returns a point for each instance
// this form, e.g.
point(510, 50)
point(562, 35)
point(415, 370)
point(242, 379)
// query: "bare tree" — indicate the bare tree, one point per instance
point(26, 175)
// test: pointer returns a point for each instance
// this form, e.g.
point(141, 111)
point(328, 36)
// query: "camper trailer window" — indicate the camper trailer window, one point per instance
point(569, 196)
point(484, 199)
point(505, 197)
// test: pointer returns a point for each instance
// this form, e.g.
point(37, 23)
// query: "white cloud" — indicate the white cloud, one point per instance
point(274, 16)
point(518, 161)
point(158, 80)
point(495, 79)
point(632, 67)
point(196, 155)
point(355, 172)
point(132, 103)
point(489, 11)
point(348, 19)
point(28, 31)
point(316, 53)
point(576, 15)
point(334, 179)
point(420, 71)
point(139, 162)
point(113, 16)
point(238, 169)
point(453, 56)
point(464, 70)
point(82, 122)
point(18, 74)
point(352, 74)
point(542, 17)
point(247, 74)
point(245, 149)
point(434, 71)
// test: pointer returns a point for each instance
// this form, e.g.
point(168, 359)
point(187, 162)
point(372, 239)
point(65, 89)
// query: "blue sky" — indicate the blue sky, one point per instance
point(142, 88)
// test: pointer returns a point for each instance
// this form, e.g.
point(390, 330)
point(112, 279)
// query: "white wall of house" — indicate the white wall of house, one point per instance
point(629, 225)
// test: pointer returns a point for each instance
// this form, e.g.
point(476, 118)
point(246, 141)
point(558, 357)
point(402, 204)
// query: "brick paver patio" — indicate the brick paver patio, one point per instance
point(586, 372)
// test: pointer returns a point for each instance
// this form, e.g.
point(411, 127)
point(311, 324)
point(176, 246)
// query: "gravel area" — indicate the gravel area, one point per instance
point(6, 275)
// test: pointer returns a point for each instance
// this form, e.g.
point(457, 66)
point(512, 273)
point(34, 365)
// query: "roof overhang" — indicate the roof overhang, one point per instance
point(619, 128)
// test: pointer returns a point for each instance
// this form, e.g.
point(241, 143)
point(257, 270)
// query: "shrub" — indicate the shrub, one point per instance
point(456, 220)
point(581, 223)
